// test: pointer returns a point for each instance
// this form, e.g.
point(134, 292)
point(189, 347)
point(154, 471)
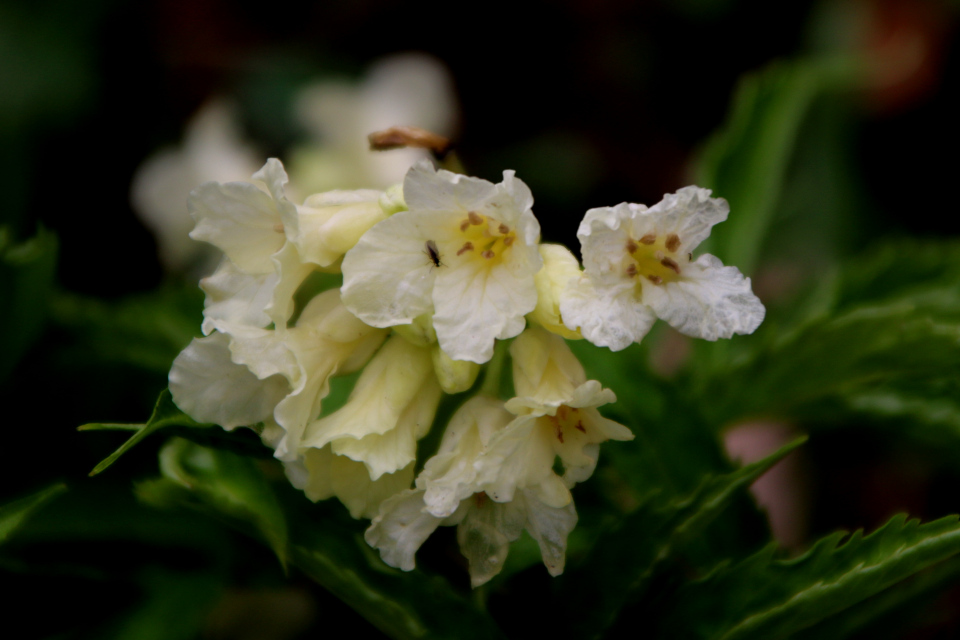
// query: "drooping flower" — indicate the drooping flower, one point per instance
point(465, 252)
point(450, 492)
point(639, 266)
point(391, 407)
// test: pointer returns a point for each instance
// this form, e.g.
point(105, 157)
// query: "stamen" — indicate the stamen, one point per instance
point(673, 242)
point(278, 227)
point(559, 433)
point(650, 238)
point(508, 241)
point(631, 270)
point(464, 225)
point(488, 254)
point(670, 264)
point(467, 246)
point(631, 246)
point(579, 426)
point(474, 218)
point(655, 279)
point(504, 229)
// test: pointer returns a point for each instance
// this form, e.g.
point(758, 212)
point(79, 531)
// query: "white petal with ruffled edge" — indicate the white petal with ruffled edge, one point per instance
point(711, 301)
point(608, 317)
point(210, 387)
point(400, 528)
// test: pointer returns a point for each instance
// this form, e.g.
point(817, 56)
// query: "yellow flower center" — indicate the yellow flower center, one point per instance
point(566, 418)
point(485, 237)
point(654, 258)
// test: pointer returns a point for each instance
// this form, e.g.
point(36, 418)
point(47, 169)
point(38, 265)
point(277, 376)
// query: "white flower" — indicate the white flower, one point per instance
point(391, 407)
point(322, 474)
point(331, 223)
point(450, 491)
point(466, 251)
point(212, 150)
point(560, 267)
point(250, 222)
point(410, 89)
point(638, 266)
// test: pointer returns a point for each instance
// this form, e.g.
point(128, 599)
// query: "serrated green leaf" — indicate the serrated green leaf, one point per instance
point(223, 482)
point(626, 560)
point(864, 349)
point(892, 613)
point(27, 272)
point(165, 414)
point(765, 597)
point(14, 514)
point(747, 160)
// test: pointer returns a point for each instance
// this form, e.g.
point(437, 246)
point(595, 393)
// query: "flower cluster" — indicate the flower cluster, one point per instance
point(435, 272)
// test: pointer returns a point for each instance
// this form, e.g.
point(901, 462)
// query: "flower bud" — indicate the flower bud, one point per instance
point(454, 375)
point(419, 332)
point(559, 267)
point(331, 223)
point(392, 200)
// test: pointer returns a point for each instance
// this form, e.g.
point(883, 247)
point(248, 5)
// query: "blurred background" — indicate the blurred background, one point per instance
point(111, 111)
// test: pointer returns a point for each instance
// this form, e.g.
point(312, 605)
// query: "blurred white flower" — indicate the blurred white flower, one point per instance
point(212, 149)
point(639, 266)
point(410, 89)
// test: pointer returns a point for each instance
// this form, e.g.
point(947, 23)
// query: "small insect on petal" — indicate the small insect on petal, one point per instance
point(430, 248)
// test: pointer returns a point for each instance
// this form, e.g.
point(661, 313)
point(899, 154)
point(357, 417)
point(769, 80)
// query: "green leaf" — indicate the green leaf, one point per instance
point(765, 597)
point(173, 606)
point(403, 605)
point(324, 543)
point(165, 414)
point(27, 272)
point(746, 162)
point(146, 331)
point(228, 484)
point(806, 370)
point(892, 613)
point(13, 514)
point(626, 560)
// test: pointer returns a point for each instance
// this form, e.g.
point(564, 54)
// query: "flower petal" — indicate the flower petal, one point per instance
point(549, 526)
point(400, 527)
point(210, 387)
point(710, 301)
point(608, 317)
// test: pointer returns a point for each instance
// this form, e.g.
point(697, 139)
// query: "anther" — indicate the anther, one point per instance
point(650, 238)
point(504, 229)
point(508, 241)
point(631, 246)
point(655, 279)
point(474, 218)
point(673, 242)
point(670, 264)
point(488, 254)
point(560, 434)
point(579, 426)
point(464, 225)
point(467, 246)
point(278, 227)
point(631, 270)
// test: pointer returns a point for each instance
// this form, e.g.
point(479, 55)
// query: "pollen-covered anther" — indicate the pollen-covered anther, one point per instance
point(475, 218)
point(650, 238)
point(503, 229)
point(631, 246)
point(464, 225)
point(631, 270)
point(488, 254)
point(655, 279)
point(507, 241)
point(673, 242)
point(669, 263)
point(467, 246)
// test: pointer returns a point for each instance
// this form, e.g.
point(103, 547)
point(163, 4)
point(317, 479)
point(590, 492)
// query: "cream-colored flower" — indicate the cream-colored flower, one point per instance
point(639, 266)
point(322, 474)
point(391, 407)
point(465, 252)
